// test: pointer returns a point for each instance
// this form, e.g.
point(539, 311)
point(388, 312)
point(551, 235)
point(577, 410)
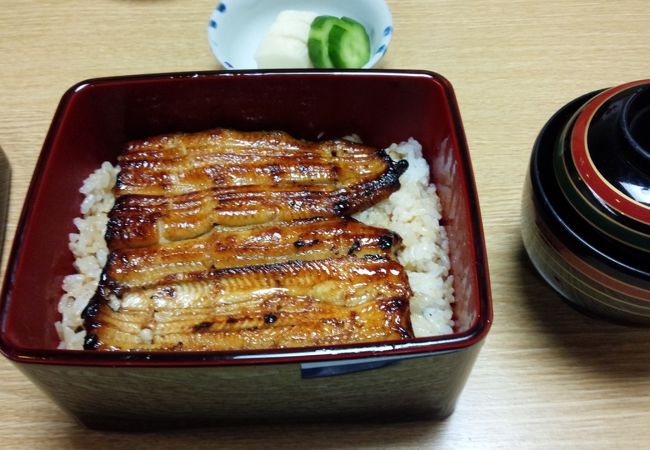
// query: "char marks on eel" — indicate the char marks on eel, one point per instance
point(241, 178)
point(228, 240)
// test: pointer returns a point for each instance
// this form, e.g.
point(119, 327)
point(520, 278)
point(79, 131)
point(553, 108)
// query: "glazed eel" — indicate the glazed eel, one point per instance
point(163, 197)
point(227, 240)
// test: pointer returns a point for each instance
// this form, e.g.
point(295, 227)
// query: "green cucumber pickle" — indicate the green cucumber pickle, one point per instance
point(338, 43)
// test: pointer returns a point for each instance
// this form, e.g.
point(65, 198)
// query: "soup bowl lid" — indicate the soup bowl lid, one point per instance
point(602, 164)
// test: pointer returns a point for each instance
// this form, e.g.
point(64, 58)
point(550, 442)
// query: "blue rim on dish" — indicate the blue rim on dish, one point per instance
point(237, 51)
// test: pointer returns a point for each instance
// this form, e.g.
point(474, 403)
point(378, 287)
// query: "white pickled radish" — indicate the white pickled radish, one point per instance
point(293, 24)
point(278, 52)
point(285, 46)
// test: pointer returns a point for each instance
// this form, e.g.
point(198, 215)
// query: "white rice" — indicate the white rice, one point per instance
point(89, 249)
point(413, 212)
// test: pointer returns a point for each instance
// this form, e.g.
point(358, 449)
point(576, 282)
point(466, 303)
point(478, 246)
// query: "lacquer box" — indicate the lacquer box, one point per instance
point(420, 377)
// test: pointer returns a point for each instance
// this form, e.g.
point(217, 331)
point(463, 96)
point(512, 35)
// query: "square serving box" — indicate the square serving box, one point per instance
point(415, 378)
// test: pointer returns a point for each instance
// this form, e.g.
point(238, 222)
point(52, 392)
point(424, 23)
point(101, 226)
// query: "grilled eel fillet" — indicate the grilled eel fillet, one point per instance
point(180, 186)
point(183, 163)
point(246, 248)
point(348, 299)
point(225, 247)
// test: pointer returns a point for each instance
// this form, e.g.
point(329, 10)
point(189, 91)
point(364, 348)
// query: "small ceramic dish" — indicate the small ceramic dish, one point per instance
point(582, 248)
point(236, 27)
point(420, 377)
